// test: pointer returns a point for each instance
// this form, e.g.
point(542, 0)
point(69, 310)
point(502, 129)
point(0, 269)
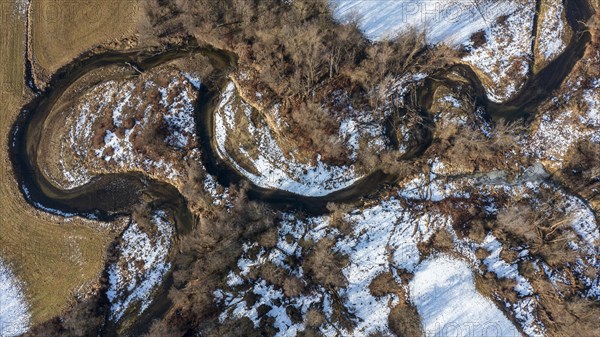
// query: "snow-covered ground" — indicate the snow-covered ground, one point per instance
point(525, 306)
point(384, 237)
point(505, 56)
point(132, 115)
point(272, 167)
point(14, 309)
point(452, 22)
point(141, 265)
point(551, 36)
point(570, 117)
point(443, 290)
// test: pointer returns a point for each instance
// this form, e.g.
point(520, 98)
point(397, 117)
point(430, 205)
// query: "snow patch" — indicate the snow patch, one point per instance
point(443, 291)
point(274, 168)
point(141, 266)
point(505, 56)
point(502, 269)
point(552, 31)
point(451, 22)
point(14, 309)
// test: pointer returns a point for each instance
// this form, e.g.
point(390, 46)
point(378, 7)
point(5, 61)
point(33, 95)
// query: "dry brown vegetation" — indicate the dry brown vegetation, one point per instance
point(301, 64)
point(325, 266)
point(207, 255)
point(543, 226)
point(572, 315)
point(62, 29)
point(404, 320)
point(582, 172)
point(383, 284)
point(469, 148)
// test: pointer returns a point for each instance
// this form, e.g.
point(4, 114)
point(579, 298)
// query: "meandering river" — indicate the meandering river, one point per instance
point(107, 197)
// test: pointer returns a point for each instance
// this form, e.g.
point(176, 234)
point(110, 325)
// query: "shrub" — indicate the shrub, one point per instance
point(325, 266)
point(404, 320)
point(383, 284)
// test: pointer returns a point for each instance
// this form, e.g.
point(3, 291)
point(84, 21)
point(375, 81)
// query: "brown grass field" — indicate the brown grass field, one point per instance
point(55, 258)
point(63, 29)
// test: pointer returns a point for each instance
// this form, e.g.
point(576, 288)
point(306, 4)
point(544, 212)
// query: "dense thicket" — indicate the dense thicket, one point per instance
point(296, 54)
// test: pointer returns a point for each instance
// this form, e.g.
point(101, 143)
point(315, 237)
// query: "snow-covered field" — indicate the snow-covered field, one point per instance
point(14, 309)
point(451, 22)
point(141, 265)
point(444, 293)
point(272, 168)
point(385, 237)
point(503, 57)
point(382, 225)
